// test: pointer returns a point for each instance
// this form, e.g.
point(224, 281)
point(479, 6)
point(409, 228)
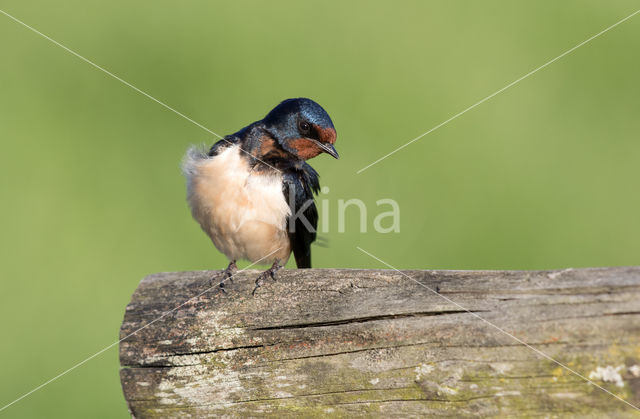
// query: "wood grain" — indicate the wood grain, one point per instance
point(376, 343)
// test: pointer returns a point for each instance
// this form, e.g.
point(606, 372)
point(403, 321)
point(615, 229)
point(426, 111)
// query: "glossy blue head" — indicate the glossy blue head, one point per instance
point(302, 127)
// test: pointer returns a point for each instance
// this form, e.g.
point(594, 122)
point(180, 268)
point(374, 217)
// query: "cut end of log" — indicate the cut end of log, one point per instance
point(375, 342)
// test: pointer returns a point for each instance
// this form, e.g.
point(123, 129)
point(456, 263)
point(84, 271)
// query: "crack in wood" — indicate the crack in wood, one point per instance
point(366, 319)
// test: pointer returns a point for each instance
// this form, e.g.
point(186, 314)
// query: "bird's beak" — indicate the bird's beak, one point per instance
point(328, 148)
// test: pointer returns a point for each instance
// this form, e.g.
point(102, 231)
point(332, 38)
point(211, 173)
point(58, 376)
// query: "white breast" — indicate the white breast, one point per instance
point(243, 212)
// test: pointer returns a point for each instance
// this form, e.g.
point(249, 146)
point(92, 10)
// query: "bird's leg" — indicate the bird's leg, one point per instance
point(227, 274)
point(269, 273)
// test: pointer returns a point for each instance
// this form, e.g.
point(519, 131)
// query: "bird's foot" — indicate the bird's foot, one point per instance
point(227, 275)
point(269, 273)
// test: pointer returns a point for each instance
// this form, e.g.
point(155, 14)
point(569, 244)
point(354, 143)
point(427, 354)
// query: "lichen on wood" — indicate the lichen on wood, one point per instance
point(373, 342)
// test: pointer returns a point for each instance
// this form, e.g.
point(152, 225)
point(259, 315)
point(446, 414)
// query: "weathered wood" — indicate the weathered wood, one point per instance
point(370, 342)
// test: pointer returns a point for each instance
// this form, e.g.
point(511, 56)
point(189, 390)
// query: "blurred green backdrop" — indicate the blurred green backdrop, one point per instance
point(545, 175)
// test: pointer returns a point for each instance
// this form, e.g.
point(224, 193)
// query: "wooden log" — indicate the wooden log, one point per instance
point(374, 342)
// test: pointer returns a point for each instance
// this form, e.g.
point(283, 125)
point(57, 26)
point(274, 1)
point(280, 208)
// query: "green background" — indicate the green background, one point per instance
point(544, 175)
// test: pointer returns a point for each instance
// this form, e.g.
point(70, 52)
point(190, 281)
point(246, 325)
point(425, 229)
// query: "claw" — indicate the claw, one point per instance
point(256, 288)
point(227, 274)
point(271, 272)
point(221, 288)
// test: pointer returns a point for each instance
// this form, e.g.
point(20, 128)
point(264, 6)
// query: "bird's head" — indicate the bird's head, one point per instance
point(302, 128)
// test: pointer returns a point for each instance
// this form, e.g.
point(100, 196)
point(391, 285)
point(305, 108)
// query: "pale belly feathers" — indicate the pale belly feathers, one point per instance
point(243, 212)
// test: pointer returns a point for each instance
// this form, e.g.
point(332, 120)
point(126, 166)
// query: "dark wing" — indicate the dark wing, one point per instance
point(298, 187)
point(224, 143)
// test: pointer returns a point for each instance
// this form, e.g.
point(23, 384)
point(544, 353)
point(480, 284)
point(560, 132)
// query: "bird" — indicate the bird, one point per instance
point(253, 191)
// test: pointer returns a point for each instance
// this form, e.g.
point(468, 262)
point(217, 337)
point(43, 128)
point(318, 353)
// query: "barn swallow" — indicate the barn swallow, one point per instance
point(252, 192)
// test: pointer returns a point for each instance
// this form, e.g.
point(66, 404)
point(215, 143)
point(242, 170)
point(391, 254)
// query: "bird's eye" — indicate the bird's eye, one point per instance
point(305, 128)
